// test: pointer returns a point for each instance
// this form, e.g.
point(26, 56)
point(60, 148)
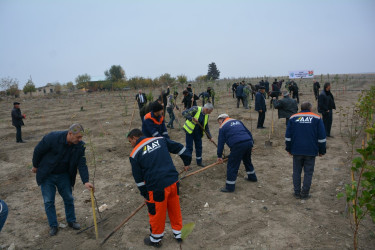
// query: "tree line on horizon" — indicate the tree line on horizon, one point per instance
point(115, 79)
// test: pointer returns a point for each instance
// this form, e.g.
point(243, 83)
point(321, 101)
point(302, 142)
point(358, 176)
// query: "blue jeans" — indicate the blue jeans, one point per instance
point(240, 151)
point(3, 213)
point(48, 187)
point(195, 137)
point(171, 117)
point(306, 163)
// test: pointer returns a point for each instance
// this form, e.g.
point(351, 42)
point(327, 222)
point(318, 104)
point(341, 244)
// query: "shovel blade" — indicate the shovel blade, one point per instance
point(268, 143)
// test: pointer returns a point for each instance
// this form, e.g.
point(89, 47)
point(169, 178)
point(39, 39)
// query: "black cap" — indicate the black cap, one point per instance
point(156, 107)
point(16, 103)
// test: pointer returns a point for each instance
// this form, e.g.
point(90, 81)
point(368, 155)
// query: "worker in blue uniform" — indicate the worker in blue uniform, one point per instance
point(153, 123)
point(240, 141)
point(157, 180)
point(305, 138)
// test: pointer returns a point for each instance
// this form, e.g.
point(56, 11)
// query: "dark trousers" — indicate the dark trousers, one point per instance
point(327, 121)
point(295, 96)
point(238, 101)
point(261, 117)
point(18, 133)
point(286, 121)
point(316, 93)
point(307, 164)
point(48, 187)
point(171, 117)
point(196, 137)
point(240, 151)
point(3, 213)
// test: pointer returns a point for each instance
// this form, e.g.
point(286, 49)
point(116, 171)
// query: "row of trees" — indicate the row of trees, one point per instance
point(115, 78)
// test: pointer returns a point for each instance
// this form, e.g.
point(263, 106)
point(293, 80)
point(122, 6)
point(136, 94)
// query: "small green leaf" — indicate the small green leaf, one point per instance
point(187, 229)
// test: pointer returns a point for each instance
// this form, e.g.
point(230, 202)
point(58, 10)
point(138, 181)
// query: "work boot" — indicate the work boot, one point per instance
point(305, 196)
point(148, 242)
point(251, 179)
point(74, 225)
point(179, 240)
point(297, 195)
point(53, 231)
point(201, 165)
point(225, 190)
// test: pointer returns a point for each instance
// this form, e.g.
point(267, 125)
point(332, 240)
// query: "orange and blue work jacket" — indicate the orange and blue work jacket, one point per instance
point(305, 134)
point(152, 165)
point(153, 126)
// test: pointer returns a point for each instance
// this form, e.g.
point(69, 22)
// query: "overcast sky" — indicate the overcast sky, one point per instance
point(61, 39)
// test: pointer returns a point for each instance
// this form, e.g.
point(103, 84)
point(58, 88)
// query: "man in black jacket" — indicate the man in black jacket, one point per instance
point(141, 99)
point(188, 100)
point(316, 89)
point(326, 104)
point(17, 121)
point(286, 106)
point(56, 160)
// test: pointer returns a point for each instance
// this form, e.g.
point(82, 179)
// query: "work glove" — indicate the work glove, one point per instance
point(24, 116)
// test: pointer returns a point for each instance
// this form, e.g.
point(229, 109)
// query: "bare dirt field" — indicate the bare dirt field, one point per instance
point(262, 215)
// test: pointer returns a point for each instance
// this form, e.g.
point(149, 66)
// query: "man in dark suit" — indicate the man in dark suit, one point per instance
point(260, 106)
point(141, 99)
point(17, 121)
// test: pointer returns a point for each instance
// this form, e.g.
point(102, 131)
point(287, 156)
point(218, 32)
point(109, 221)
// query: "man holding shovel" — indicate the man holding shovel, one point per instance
point(56, 159)
point(240, 141)
point(157, 180)
point(195, 133)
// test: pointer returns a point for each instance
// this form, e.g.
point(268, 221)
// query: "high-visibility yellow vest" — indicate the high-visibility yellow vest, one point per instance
point(189, 126)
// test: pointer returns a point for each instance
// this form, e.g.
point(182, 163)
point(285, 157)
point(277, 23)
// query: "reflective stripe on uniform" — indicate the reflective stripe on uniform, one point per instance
point(177, 234)
point(165, 133)
point(140, 184)
point(322, 140)
point(231, 182)
point(252, 172)
point(225, 121)
point(181, 151)
point(155, 134)
point(198, 158)
point(141, 144)
point(288, 139)
point(156, 237)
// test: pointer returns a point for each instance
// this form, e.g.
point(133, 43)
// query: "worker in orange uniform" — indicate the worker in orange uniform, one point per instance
point(157, 180)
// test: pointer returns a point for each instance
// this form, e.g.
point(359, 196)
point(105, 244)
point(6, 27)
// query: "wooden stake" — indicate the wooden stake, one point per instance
point(93, 213)
point(130, 125)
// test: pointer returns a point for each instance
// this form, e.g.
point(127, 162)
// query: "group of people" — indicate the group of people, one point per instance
point(60, 155)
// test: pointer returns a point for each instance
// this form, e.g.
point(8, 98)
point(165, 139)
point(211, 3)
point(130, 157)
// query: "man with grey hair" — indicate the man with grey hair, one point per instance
point(56, 160)
point(305, 138)
point(197, 116)
point(286, 106)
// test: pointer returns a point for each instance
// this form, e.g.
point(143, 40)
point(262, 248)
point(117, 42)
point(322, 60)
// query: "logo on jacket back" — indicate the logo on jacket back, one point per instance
point(235, 123)
point(304, 119)
point(151, 147)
